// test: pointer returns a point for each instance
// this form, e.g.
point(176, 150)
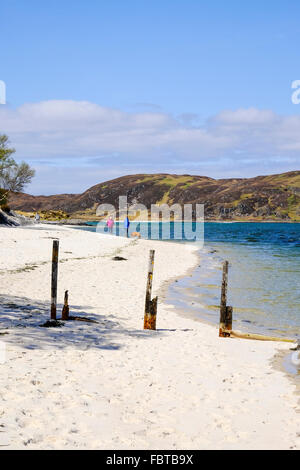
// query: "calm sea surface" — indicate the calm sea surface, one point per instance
point(264, 275)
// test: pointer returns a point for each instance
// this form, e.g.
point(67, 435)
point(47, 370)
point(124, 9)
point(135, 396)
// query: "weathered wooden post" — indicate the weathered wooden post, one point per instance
point(54, 278)
point(150, 305)
point(225, 311)
point(65, 310)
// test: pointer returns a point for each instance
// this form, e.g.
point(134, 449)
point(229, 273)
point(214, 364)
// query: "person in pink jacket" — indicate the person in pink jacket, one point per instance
point(110, 224)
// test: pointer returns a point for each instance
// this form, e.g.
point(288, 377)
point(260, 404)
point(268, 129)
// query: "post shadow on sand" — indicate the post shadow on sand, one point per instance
point(22, 318)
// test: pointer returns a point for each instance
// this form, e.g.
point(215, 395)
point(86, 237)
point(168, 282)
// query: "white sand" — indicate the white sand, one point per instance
point(112, 385)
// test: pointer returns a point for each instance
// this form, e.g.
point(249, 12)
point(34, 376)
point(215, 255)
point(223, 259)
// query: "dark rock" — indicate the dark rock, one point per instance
point(11, 219)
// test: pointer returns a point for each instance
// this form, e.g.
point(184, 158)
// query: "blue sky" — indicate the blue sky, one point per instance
point(187, 86)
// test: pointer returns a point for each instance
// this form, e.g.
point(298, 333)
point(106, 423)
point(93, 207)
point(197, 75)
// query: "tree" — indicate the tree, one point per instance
point(13, 176)
point(5, 153)
point(16, 177)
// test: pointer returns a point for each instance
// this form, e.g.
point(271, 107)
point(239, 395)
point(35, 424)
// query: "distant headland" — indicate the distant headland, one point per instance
point(262, 198)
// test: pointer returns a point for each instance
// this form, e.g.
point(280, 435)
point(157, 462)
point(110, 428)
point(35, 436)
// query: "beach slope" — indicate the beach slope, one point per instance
point(112, 385)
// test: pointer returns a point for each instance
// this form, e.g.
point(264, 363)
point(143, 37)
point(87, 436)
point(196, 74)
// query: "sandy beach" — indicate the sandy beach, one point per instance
point(112, 385)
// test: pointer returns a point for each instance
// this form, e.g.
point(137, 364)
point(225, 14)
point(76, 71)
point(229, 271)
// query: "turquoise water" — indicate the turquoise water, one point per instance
point(264, 275)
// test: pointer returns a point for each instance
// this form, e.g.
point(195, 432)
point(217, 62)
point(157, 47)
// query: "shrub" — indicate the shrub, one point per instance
point(3, 198)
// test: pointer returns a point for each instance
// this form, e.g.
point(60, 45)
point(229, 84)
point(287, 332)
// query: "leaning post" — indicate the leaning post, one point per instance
point(65, 310)
point(150, 305)
point(225, 311)
point(54, 278)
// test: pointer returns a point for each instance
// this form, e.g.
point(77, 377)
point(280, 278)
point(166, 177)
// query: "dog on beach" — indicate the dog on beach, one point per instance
point(136, 234)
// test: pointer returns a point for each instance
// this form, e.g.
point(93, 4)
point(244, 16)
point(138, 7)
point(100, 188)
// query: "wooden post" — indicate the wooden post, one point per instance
point(150, 305)
point(65, 310)
point(224, 284)
point(54, 278)
point(149, 281)
point(225, 311)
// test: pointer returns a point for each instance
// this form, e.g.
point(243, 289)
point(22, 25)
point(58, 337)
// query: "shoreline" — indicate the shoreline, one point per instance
point(114, 385)
point(85, 222)
point(205, 221)
point(279, 356)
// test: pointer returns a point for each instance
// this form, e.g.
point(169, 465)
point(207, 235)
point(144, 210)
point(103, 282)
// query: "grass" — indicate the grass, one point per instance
point(294, 207)
point(50, 215)
point(173, 181)
point(238, 201)
point(168, 180)
point(165, 199)
point(284, 179)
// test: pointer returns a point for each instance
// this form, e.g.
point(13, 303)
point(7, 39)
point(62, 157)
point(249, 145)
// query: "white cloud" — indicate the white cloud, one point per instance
point(75, 134)
point(251, 116)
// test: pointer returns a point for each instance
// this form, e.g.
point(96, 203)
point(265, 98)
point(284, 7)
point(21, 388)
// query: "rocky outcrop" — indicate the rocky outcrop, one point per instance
point(11, 219)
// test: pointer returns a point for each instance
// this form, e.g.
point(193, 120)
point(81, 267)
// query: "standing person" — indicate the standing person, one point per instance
point(110, 224)
point(126, 224)
point(37, 218)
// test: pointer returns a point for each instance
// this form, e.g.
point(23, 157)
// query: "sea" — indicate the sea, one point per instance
point(264, 273)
